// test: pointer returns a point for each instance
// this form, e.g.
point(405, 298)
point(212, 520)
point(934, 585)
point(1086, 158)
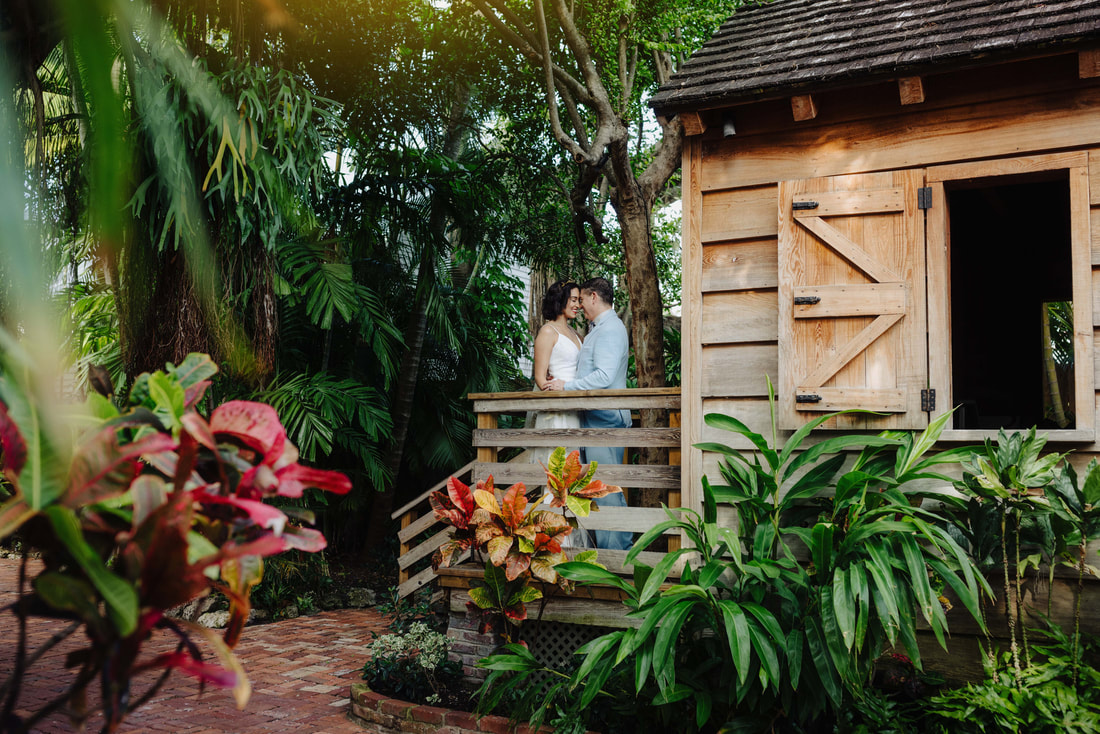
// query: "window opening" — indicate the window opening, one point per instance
point(1011, 302)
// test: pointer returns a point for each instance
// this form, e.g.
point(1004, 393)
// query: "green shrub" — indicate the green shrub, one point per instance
point(752, 637)
point(412, 666)
point(1055, 694)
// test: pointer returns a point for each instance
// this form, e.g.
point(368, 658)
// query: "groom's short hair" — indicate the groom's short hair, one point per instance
point(601, 287)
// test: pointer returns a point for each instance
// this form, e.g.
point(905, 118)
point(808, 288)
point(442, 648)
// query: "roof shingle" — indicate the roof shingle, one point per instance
point(799, 45)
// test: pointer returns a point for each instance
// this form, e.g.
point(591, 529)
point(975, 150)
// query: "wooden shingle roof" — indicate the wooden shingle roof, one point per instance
point(796, 46)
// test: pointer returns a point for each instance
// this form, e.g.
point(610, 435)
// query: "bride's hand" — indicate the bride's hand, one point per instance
point(555, 384)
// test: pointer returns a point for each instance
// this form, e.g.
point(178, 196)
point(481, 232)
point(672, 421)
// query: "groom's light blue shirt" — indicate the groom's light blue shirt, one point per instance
point(602, 361)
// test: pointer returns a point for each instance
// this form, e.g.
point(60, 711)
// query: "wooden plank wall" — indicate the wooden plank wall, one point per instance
point(731, 226)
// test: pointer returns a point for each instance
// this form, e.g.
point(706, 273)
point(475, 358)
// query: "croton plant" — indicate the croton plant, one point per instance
point(521, 540)
point(151, 506)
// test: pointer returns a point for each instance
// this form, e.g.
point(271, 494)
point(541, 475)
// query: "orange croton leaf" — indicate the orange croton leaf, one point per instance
point(596, 489)
point(544, 542)
point(498, 548)
point(514, 505)
point(516, 565)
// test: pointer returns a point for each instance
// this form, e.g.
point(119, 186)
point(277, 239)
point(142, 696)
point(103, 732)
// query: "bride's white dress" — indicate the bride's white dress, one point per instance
point(563, 364)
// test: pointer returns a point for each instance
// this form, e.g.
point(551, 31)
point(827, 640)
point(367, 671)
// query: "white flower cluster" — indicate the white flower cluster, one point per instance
point(421, 643)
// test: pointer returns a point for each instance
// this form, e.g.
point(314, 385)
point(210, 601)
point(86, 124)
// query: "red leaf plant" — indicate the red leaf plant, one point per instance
point(155, 507)
point(521, 541)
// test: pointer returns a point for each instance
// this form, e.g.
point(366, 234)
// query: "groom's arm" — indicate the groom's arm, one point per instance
point(607, 360)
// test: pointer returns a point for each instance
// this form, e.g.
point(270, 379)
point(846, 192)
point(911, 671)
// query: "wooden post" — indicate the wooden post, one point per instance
point(406, 521)
point(487, 454)
point(674, 495)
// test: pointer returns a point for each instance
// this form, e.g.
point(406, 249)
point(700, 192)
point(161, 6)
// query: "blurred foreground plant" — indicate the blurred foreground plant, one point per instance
point(151, 506)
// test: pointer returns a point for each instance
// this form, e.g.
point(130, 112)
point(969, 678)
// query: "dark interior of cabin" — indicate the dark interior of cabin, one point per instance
point(1011, 271)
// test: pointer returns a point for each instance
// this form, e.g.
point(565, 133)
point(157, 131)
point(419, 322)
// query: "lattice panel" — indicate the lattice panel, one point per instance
point(553, 643)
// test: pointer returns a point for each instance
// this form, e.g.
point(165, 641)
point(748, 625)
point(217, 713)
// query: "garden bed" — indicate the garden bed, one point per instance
point(383, 714)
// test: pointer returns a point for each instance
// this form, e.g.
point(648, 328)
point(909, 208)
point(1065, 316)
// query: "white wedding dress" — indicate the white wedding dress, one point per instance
point(563, 365)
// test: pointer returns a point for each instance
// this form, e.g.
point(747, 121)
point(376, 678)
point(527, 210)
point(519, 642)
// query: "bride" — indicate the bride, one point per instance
point(557, 348)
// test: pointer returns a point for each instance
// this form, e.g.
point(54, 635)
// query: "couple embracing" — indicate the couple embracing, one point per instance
point(563, 361)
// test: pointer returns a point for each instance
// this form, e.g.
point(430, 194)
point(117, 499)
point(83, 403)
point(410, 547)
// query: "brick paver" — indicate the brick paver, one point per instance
point(301, 671)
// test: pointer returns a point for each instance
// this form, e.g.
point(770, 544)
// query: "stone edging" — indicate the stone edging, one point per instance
point(382, 714)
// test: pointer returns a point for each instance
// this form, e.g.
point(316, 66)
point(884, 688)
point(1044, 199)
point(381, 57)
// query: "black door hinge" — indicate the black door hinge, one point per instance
point(799, 205)
point(928, 400)
point(924, 197)
point(807, 398)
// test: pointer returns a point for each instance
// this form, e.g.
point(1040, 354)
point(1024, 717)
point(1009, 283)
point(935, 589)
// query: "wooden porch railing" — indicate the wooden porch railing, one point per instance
point(420, 534)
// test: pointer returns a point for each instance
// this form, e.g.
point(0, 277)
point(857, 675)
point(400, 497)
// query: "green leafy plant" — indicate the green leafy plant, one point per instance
point(412, 665)
point(782, 618)
point(1076, 508)
point(1008, 475)
point(150, 508)
point(403, 612)
point(1053, 694)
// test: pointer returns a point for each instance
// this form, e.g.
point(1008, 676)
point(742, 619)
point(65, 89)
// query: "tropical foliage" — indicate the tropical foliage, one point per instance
point(752, 636)
point(151, 506)
point(523, 545)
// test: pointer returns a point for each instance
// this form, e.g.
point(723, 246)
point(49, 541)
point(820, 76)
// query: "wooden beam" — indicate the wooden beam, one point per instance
point(552, 437)
point(911, 90)
point(635, 476)
point(693, 123)
point(1088, 63)
point(803, 107)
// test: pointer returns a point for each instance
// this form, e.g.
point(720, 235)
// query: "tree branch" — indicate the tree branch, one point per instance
point(564, 140)
point(527, 43)
point(624, 84)
point(575, 117)
point(583, 56)
point(666, 159)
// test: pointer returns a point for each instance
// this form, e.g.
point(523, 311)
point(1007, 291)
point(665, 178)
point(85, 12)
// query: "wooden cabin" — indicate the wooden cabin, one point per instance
point(888, 205)
point(892, 206)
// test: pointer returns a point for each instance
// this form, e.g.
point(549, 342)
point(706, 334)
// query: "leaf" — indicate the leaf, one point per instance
point(737, 635)
point(194, 369)
point(13, 513)
point(119, 595)
point(516, 563)
point(822, 662)
point(242, 689)
point(664, 645)
point(589, 573)
point(12, 444)
point(68, 594)
point(148, 493)
point(498, 549)
point(102, 469)
point(295, 478)
point(765, 652)
point(514, 505)
point(254, 424)
point(843, 609)
point(729, 423)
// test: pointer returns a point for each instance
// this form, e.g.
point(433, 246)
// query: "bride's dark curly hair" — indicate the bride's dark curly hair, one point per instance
point(557, 298)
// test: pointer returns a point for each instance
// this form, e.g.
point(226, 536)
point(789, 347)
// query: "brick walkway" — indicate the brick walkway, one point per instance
point(301, 672)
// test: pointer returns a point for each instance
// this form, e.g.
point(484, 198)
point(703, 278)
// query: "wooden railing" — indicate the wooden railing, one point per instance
point(420, 534)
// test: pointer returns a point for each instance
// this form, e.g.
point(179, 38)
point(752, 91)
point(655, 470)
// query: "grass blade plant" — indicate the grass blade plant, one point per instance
point(778, 620)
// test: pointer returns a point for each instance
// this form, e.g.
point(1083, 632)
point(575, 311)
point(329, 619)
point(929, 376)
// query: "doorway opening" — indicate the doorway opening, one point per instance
point(1011, 302)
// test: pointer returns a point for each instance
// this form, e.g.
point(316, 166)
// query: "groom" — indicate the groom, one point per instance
point(602, 365)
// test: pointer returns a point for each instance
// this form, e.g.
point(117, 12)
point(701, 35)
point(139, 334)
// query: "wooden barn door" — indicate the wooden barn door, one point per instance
point(852, 319)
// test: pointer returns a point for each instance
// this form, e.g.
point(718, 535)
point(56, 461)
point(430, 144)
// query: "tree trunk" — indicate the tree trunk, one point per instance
point(401, 410)
point(646, 310)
